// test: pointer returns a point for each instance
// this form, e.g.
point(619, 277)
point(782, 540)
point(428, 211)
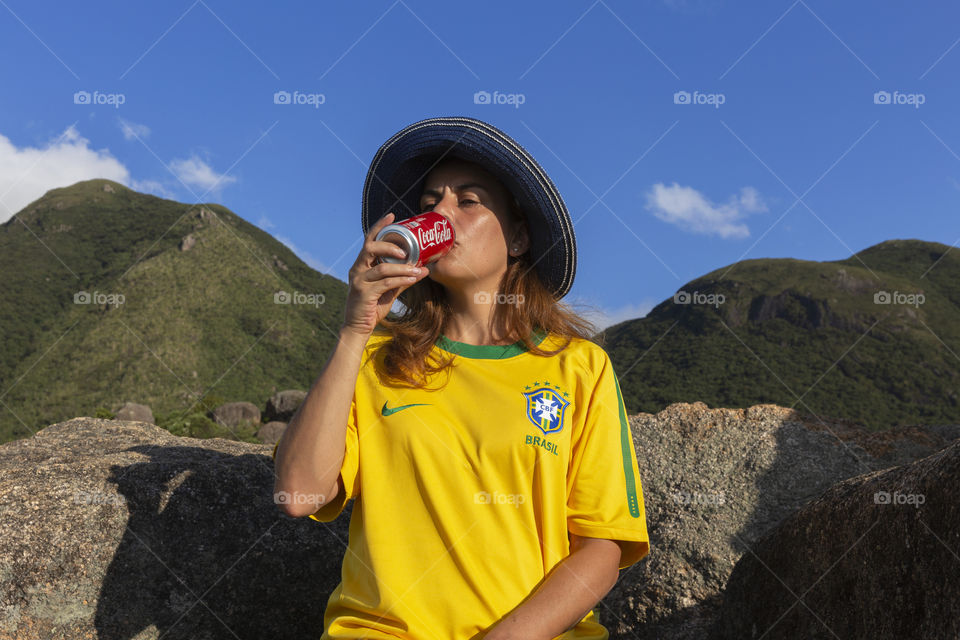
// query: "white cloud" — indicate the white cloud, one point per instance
point(604, 318)
point(311, 260)
point(691, 211)
point(195, 172)
point(132, 130)
point(153, 187)
point(27, 173)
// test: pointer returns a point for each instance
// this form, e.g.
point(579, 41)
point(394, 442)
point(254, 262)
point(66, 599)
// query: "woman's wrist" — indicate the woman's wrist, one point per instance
point(352, 340)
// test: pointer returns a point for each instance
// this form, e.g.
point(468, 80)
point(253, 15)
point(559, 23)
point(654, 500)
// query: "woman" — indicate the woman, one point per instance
point(482, 434)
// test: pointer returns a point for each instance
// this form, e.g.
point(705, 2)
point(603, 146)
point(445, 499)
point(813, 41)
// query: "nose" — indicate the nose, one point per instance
point(446, 206)
point(446, 203)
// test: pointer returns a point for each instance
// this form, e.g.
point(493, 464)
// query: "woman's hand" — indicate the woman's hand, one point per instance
point(373, 287)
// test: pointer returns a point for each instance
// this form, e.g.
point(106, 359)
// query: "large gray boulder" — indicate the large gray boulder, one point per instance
point(271, 432)
point(876, 556)
point(235, 414)
point(282, 405)
point(119, 530)
point(135, 412)
point(717, 480)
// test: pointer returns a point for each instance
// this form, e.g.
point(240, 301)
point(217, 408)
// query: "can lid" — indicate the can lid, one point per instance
point(403, 238)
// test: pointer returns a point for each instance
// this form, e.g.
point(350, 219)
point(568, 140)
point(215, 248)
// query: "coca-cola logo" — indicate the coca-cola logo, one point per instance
point(441, 232)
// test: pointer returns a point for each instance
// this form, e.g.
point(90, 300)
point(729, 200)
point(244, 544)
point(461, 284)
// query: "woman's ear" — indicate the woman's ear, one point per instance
point(520, 240)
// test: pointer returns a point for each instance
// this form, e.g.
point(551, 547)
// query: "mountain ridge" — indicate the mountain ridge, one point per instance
point(168, 320)
point(824, 326)
point(199, 316)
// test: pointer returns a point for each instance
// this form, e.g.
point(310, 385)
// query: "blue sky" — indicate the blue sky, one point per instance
point(683, 135)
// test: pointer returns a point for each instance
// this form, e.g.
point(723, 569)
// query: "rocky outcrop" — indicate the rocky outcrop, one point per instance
point(873, 557)
point(715, 481)
point(234, 414)
point(116, 530)
point(270, 433)
point(282, 405)
point(135, 412)
point(279, 264)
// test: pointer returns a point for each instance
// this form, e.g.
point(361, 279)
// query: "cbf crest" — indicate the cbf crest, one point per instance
point(546, 408)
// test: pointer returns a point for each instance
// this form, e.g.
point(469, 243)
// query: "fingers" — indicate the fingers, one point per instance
point(380, 224)
point(397, 284)
point(372, 249)
point(391, 273)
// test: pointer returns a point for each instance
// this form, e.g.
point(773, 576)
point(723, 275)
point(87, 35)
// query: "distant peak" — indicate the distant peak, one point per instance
point(86, 186)
point(905, 244)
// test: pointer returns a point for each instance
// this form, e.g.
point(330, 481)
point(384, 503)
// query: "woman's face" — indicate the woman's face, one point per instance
point(478, 207)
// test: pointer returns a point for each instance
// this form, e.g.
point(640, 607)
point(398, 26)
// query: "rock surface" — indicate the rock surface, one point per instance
point(116, 530)
point(892, 533)
point(270, 433)
point(135, 412)
point(233, 414)
point(714, 482)
point(282, 405)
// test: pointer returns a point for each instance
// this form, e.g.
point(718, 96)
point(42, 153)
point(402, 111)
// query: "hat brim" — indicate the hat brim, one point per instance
point(395, 181)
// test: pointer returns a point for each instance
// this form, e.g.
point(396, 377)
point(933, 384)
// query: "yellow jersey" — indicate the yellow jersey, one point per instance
point(464, 495)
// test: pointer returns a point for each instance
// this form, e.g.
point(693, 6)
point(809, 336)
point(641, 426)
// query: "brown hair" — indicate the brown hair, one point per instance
point(405, 360)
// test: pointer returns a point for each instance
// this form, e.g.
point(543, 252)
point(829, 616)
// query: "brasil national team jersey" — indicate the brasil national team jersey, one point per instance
point(464, 495)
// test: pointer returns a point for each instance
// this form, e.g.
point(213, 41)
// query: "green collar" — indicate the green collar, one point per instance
point(488, 351)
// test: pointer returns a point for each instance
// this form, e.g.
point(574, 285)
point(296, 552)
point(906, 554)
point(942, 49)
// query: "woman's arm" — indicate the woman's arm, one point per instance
point(312, 448)
point(569, 592)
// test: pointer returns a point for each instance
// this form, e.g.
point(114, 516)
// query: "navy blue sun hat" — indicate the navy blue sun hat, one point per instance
point(398, 170)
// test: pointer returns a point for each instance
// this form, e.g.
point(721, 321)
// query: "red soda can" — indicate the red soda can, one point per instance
point(425, 238)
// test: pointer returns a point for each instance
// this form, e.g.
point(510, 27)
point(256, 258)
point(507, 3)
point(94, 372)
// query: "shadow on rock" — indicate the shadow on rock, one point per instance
point(207, 553)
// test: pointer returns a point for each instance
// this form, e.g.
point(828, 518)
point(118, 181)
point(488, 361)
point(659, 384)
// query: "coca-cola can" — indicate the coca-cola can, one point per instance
point(425, 238)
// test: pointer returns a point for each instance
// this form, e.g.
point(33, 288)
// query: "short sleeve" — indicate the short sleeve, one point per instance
point(604, 493)
point(349, 471)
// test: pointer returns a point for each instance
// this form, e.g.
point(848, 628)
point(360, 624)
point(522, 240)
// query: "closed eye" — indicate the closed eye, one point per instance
point(429, 205)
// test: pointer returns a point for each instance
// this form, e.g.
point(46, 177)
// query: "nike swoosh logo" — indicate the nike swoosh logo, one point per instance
point(389, 412)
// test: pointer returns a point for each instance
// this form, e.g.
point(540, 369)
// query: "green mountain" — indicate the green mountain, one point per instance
point(183, 302)
point(816, 336)
point(112, 295)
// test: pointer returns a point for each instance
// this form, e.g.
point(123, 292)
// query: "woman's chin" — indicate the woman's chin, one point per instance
point(443, 274)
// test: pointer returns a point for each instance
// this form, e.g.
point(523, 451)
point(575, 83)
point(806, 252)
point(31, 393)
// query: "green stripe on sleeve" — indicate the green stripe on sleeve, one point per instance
point(626, 447)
